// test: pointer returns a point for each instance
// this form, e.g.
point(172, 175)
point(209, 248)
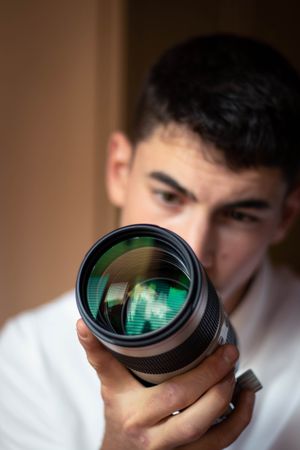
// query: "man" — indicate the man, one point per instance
point(214, 157)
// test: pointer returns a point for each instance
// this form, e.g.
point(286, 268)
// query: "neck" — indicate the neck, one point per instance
point(232, 302)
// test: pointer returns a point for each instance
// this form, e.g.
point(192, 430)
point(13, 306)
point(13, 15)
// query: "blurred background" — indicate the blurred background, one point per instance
point(70, 73)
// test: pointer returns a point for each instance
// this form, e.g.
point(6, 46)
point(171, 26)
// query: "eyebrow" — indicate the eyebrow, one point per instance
point(171, 182)
point(250, 203)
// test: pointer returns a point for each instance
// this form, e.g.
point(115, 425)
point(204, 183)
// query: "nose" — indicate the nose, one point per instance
point(200, 235)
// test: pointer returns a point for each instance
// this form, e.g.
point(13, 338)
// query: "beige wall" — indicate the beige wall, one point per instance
point(59, 82)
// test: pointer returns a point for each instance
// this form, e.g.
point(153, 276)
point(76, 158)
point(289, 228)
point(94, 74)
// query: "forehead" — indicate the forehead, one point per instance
point(200, 167)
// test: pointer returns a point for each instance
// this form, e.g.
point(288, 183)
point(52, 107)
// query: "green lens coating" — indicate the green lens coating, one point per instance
point(153, 304)
point(137, 286)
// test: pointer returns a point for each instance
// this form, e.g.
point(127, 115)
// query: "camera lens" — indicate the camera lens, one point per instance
point(144, 294)
point(137, 286)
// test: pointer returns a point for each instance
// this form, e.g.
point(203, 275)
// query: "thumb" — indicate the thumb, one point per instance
point(110, 371)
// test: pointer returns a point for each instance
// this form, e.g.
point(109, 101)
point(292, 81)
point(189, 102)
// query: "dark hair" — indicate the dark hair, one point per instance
point(235, 92)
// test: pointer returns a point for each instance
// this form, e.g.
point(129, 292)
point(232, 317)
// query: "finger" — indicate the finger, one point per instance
point(183, 390)
point(191, 424)
point(110, 371)
point(225, 433)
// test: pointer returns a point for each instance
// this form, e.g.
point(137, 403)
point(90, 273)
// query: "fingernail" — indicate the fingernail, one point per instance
point(230, 354)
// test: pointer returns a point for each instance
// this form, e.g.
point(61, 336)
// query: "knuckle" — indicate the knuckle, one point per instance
point(136, 434)
point(172, 395)
point(223, 360)
point(94, 363)
point(98, 360)
point(213, 370)
point(218, 366)
point(106, 395)
point(130, 427)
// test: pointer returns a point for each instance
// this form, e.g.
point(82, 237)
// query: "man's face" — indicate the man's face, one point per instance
point(228, 218)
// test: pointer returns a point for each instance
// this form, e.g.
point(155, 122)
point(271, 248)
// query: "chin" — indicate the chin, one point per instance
point(225, 293)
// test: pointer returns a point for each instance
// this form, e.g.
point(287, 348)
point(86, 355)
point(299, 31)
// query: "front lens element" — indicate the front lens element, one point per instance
point(153, 304)
point(137, 286)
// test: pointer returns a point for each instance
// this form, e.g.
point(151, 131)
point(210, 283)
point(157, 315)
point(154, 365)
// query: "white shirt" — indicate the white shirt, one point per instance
point(49, 394)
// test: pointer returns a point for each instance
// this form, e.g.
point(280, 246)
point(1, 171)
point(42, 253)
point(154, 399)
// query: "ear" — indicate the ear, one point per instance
point(118, 167)
point(290, 211)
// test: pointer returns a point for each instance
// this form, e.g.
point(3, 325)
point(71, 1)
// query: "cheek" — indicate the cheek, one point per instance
point(242, 245)
point(238, 258)
point(138, 207)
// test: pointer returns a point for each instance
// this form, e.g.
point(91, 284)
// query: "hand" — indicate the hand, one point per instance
point(140, 418)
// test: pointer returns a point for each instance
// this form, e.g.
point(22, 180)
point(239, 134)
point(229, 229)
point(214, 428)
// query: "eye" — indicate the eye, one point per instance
point(240, 216)
point(168, 198)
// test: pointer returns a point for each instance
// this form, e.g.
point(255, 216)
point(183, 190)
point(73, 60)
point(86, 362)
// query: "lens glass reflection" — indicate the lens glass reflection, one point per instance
point(137, 286)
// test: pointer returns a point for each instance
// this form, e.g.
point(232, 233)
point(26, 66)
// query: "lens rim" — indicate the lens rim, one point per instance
point(168, 237)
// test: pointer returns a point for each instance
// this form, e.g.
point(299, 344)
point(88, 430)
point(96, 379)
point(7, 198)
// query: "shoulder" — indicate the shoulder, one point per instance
point(39, 339)
point(46, 378)
point(45, 337)
point(37, 326)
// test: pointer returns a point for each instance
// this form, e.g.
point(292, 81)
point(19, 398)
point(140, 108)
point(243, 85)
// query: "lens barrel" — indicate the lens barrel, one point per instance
point(143, 293)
